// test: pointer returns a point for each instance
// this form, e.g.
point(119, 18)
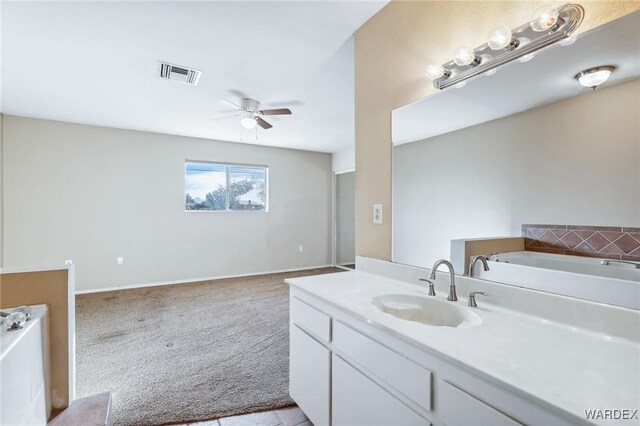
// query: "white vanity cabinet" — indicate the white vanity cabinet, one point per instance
point(348, 371)
point(310, 361)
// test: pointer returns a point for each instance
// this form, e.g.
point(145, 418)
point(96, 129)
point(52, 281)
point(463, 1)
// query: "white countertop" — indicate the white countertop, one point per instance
point(565, 367)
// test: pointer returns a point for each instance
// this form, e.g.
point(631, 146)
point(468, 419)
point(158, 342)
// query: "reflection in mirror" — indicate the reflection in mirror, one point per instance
point(531, 167)
point(345, 238)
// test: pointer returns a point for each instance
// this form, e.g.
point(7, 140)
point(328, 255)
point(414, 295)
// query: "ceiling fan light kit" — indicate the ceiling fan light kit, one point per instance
point(248, 122)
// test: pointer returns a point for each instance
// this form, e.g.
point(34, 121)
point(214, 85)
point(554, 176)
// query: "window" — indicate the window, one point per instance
point(225, 187)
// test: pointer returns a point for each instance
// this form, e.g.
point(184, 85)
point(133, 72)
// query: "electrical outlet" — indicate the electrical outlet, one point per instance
point(300, 249)
point(377, 214)
point(120, 260)
point(68, 262)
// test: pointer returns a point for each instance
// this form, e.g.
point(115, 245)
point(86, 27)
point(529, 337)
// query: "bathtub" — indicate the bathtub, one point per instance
point(581, 277)
point(25, 397)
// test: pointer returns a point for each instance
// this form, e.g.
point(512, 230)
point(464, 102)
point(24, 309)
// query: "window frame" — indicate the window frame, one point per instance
point(226, 165)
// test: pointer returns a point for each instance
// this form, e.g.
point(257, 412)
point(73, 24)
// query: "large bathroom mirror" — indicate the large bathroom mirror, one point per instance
point(529, 167)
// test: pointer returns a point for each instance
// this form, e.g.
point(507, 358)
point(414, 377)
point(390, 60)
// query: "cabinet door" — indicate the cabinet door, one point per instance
point(405, 376)
point(357, 400)
point(309, 375)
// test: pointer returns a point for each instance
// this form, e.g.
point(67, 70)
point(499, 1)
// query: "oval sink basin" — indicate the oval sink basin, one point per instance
point(426, 310)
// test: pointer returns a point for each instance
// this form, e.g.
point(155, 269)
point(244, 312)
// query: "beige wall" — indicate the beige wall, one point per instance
point(92, 194)
point(581, 168)
point(392, 51)
point(49, 288)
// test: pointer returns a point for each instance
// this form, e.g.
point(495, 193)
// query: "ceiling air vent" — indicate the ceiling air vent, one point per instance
point(179, 73)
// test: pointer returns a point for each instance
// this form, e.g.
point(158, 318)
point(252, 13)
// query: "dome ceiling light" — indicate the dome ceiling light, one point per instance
point(594, 77)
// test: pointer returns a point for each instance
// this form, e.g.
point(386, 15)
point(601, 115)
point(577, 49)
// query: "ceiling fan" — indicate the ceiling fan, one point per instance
point(251, 114)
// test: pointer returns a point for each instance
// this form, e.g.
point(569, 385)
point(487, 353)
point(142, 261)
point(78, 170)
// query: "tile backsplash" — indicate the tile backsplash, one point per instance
point(610, 242)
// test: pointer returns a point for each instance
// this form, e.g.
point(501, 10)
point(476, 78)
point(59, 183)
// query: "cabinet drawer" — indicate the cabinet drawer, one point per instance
point(357, 400)
point(311, 319)
point(456, 407)
point(405, 376)
point(309, 375)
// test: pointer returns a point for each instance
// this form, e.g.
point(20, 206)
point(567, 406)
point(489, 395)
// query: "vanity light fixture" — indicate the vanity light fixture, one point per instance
point(549, 25)
point(594, 77)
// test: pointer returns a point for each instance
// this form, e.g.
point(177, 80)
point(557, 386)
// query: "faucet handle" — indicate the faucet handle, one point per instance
point(472, 298)
point(432, 291)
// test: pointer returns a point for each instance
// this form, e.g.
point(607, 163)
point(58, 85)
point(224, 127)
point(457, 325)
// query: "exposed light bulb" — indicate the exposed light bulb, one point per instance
point(464, 55)
point(544, 18)
point(248, 122)
point(435, 71)
point(526, 58)
point(594, 77)
point(500, 38)
point(485, 58)
point(523, 41)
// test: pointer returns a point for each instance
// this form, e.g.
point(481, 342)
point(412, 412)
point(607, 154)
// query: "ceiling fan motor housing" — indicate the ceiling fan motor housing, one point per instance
point(250, 105)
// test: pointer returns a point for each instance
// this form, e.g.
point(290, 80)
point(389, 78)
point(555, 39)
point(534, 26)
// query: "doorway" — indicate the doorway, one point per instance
point(345, 220)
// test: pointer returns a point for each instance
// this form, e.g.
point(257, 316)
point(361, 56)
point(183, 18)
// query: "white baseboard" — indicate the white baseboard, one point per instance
point(193, 280)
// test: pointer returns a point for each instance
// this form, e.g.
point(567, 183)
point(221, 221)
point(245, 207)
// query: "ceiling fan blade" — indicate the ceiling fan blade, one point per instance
point(263, 123)
point(224, 117)
point(230, 103)
point(238, 94)
point(279, 111)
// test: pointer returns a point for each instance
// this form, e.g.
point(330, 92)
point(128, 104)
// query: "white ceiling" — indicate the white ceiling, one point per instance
point(517, 87)
point(97, 63)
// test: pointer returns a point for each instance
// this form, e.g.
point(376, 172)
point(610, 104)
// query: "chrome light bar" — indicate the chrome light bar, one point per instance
point(526, 41)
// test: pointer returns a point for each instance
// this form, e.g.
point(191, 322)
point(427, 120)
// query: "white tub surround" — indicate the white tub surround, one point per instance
point(25, 385)
point(53, 286)
point(614, 269)
point(582, 277)
point(515, 367)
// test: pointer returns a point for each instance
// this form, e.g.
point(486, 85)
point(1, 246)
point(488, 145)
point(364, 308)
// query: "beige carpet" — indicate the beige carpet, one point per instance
point(187, 352)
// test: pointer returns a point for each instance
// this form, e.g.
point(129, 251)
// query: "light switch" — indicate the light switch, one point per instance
point(120, 260)
point(377, 214)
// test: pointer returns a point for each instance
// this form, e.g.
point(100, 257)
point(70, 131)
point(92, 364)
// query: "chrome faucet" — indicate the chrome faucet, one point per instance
point(481, 258)
point(452, 275)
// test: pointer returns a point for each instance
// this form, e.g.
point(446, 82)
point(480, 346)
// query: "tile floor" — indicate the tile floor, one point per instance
point(290, 416)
